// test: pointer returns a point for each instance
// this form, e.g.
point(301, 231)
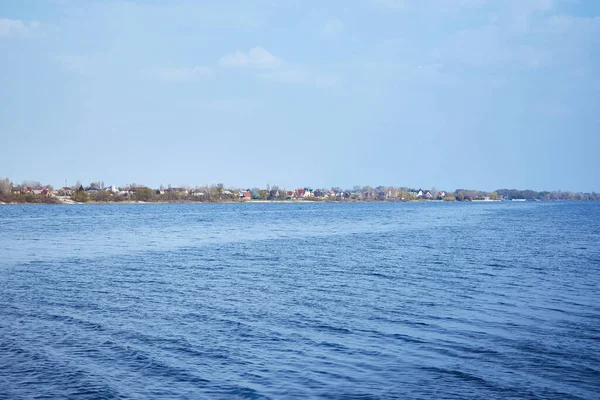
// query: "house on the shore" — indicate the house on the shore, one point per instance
point(127, 191)
point(303, 193)
point(65, 191)
point(177, 190)
point(423, 194)
point(38, 191)
point(245, 195)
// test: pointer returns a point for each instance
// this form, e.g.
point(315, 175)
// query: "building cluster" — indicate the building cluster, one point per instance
point(368, 193)
point(96, 191)
point(359, 193)
point(40, 191)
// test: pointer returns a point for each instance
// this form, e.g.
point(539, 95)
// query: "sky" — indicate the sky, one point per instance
point(478, 94)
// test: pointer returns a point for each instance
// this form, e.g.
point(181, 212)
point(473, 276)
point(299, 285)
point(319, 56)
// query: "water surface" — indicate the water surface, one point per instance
point(375, 300)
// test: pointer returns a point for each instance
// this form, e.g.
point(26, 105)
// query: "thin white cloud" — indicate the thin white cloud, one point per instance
point(275, 69)
point(325, 81)
point(256, 57)
point(517, 7)
point(491, 47)
point(395, 5)
point(232, 105)
point(74, 63)
point(332, 28)
point(16, 27)
point(299, 74)
point(180, 74)
point(583, 27)
point(289, 74)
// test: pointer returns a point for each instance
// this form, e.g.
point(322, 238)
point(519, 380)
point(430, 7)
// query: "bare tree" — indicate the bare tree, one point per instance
point(5, 186)
point(33, 184)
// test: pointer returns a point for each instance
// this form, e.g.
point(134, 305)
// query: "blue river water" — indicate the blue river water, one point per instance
point(362, 300)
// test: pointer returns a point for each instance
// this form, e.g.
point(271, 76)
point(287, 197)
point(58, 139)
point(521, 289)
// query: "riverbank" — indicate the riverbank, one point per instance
point(68, 201)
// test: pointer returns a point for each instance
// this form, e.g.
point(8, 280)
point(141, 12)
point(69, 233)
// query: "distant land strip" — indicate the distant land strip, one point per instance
point(97, 192)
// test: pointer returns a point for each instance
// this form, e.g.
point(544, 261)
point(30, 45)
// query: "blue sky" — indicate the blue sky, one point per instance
point(479, 94)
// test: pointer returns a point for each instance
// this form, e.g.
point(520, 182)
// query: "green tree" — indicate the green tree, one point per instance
point(102, 195)
point(80, 196)
point(143, 194)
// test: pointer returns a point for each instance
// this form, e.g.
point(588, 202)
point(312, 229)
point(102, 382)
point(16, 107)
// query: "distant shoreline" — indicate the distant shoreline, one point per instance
point(98, 193)
point(129, 202)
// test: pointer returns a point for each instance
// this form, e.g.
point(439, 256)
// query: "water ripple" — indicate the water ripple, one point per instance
point(337, 301)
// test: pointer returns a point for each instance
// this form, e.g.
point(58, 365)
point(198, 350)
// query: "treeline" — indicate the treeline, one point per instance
point(529, 195)
point(7, 195)
point(510, 194)
point(150, 195)
point(35, 192)
point(27, 198)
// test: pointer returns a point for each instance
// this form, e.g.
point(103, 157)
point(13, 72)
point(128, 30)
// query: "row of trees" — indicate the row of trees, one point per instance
point(219, 193)
point(209, 194)
point(545, 195)
point(468, 195)
point(7, 195)
point(530, 195)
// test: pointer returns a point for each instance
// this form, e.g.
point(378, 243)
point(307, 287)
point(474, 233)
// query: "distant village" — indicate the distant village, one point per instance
point(97, 192)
